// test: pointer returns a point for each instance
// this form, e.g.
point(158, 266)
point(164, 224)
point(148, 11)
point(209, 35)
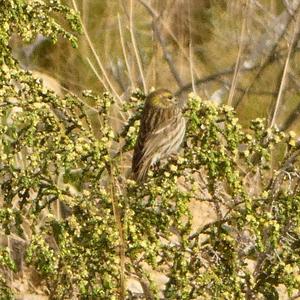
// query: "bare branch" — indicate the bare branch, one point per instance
point(284, 73)
point(100, 65)
point(125, 54)
point(157, 16)
point(238, 60)
point(135, 48)
point(191, 47)
point(265, 45)
point(167, 54)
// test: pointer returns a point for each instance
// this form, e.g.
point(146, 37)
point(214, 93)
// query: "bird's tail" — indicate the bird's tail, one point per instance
point(139, 174)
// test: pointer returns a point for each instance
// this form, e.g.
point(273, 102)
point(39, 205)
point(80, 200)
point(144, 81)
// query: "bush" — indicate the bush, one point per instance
point(113, 229)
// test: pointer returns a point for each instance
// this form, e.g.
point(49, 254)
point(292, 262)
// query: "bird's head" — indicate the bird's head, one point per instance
point(162, 98)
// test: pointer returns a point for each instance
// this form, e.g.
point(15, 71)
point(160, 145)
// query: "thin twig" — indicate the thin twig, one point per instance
point(155, 15)
point(97, 74)
point(238, 60)
point(167, 55)
point(105, 86)
point(283, 79)
point(224, 72)
point(135, 48)
point(291, 118)
point(190, 48)
point(270, 57)
point(125, 54)
point(288, 8)
point(100, 65)
point(212, 77)
point(118, 220)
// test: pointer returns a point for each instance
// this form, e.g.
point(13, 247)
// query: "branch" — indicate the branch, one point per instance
point(291, 118)
point(100, 64)
point(157, 16)
point(238, 60)
point(212, 77)
point(167, 54)
point(135, 48)
point(284, 73)
point(284, 18)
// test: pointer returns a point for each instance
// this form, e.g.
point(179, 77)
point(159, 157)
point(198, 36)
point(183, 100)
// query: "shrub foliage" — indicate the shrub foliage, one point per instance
point(113, 228)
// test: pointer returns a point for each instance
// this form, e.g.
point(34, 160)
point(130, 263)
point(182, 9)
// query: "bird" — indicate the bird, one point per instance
point(162, 130)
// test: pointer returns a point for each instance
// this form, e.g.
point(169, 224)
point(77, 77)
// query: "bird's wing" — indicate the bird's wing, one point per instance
point(156, 138)
point(150, 128)
point(149, 143)
point(145, 150)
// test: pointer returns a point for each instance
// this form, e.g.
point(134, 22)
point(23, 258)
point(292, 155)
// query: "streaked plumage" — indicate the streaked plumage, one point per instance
point(161, 132)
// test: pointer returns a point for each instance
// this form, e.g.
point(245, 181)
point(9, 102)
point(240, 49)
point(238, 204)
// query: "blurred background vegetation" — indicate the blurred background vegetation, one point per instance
point(228, 51)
